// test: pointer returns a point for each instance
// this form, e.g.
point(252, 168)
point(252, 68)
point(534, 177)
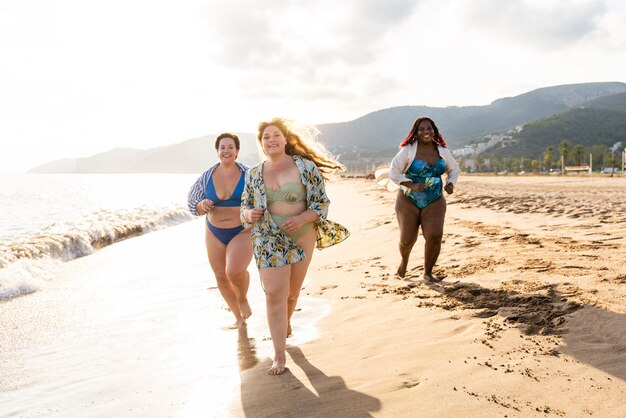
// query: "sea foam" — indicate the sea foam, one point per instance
point(24, 263)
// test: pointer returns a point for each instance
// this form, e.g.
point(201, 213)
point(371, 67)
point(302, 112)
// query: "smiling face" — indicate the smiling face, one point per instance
point(227, 150)
point(425, 132)
point(273, 141)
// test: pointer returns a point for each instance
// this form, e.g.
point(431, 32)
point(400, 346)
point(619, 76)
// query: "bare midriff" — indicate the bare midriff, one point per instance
point(224, 217)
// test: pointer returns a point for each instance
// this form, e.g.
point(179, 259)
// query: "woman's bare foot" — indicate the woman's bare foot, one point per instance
point(401, 270)
point(278, 367)
point(429, 277)
point(244, 307)
point(238, 323)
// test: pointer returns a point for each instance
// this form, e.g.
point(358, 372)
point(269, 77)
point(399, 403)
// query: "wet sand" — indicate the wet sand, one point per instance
point(136, 329)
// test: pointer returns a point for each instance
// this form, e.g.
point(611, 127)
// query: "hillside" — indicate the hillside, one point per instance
point(191, 156)
point(372, 138)
point(584, 126)
point(379, 133)
point(614, 102)
point(598, 122)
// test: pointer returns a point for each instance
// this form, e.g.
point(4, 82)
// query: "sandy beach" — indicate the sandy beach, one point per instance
point(528, 321)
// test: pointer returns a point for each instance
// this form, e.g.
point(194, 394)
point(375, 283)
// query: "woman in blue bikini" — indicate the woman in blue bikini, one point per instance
point(423, 158)
point(217, 194)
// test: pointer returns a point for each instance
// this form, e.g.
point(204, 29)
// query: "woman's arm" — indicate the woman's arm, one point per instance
point(247, 201)
point(452, 167)
point(399, 165)
point(195, 196)
point(317, 199)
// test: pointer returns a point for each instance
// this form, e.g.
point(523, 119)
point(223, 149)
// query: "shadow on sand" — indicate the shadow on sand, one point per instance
point(593, 336)
point(286, 396)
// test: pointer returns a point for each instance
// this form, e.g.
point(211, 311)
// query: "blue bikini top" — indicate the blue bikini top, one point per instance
point(233, 200)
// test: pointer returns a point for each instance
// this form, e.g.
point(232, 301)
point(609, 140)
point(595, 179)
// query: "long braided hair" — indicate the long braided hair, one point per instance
point(412, 136)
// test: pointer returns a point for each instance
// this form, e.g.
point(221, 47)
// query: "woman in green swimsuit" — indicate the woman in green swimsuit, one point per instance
point(285, 203)
point(418, 168)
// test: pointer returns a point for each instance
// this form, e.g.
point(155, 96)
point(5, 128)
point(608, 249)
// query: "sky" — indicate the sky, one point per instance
point(82, 77)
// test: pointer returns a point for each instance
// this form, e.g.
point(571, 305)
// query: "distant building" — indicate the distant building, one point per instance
point(577, 169)
point(490, 141)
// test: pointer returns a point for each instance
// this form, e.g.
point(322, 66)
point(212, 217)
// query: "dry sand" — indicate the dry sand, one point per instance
point(528, 321)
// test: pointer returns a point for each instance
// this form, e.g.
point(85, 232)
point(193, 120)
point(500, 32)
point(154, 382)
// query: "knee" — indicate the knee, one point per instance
point(433, 238)
point(407, 242)
point(235, 274)
point(275, 296)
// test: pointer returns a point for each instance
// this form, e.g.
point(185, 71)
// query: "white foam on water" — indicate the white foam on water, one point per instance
point(20, 274)
point(27, 276)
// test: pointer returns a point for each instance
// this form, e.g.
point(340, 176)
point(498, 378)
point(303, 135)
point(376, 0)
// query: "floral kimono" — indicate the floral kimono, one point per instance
point(271, 246)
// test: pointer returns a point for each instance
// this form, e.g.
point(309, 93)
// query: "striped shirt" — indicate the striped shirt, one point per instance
point(198, 190)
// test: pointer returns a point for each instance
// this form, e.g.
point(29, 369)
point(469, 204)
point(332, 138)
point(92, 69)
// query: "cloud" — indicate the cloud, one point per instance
point(610, 33)
point(546, 24)
point(310, 49)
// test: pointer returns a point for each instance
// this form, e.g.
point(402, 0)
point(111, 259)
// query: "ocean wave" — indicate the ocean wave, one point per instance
point(67, 241)
point(27, 276)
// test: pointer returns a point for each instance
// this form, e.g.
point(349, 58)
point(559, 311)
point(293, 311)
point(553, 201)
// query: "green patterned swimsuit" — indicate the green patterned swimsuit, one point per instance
point(271, 246)
point(290, 193)
point(430, 175)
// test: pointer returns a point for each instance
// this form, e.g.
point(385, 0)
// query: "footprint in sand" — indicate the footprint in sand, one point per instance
point(408, 384)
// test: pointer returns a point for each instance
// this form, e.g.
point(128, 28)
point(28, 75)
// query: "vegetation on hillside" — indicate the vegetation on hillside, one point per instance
point(574, 134)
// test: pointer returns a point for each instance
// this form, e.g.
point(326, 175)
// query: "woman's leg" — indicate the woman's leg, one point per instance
point(276, 284)
point(433, 217)
point(216, 251)
point(298, 273)
point(238, 256)
point(409, 221)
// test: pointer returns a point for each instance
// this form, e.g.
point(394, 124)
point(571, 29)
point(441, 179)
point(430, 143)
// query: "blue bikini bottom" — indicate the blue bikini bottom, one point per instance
point(224, 234)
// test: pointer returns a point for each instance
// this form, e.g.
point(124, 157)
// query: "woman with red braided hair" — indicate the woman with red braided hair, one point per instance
point(417, 168)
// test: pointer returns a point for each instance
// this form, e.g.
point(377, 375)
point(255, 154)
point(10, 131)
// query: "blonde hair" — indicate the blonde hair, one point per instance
point(302, 140)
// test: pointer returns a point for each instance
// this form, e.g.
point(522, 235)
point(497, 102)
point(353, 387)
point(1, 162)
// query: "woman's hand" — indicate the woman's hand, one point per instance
point(293, 223)
point(207, 206)
point(416, 187)
point(449, 188)
point(254, 215)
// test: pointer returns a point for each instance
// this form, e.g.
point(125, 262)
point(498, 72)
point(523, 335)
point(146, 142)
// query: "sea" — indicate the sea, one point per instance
point(108, 305)
point(50, 218)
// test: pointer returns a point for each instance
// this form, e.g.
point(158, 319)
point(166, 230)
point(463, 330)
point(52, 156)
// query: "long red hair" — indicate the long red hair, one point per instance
point(412, 136)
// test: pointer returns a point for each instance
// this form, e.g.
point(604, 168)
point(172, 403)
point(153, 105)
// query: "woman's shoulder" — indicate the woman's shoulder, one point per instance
point(209, 171)
point(444, 150)
point(242, 167)
point(255, 169)
point(304, 162)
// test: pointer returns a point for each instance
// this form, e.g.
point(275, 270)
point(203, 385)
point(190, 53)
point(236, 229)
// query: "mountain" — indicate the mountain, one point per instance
point(373, 137)
point(191, 156)
point(385, 129)
point(613, 102)
point(597, 122)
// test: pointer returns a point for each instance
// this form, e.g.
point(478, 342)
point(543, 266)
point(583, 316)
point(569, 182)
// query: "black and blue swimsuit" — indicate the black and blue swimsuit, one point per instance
point(430, 175)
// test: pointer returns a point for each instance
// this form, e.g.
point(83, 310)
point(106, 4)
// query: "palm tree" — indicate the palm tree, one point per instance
point(548, 156)
point(564, 149)
point(578, 154)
